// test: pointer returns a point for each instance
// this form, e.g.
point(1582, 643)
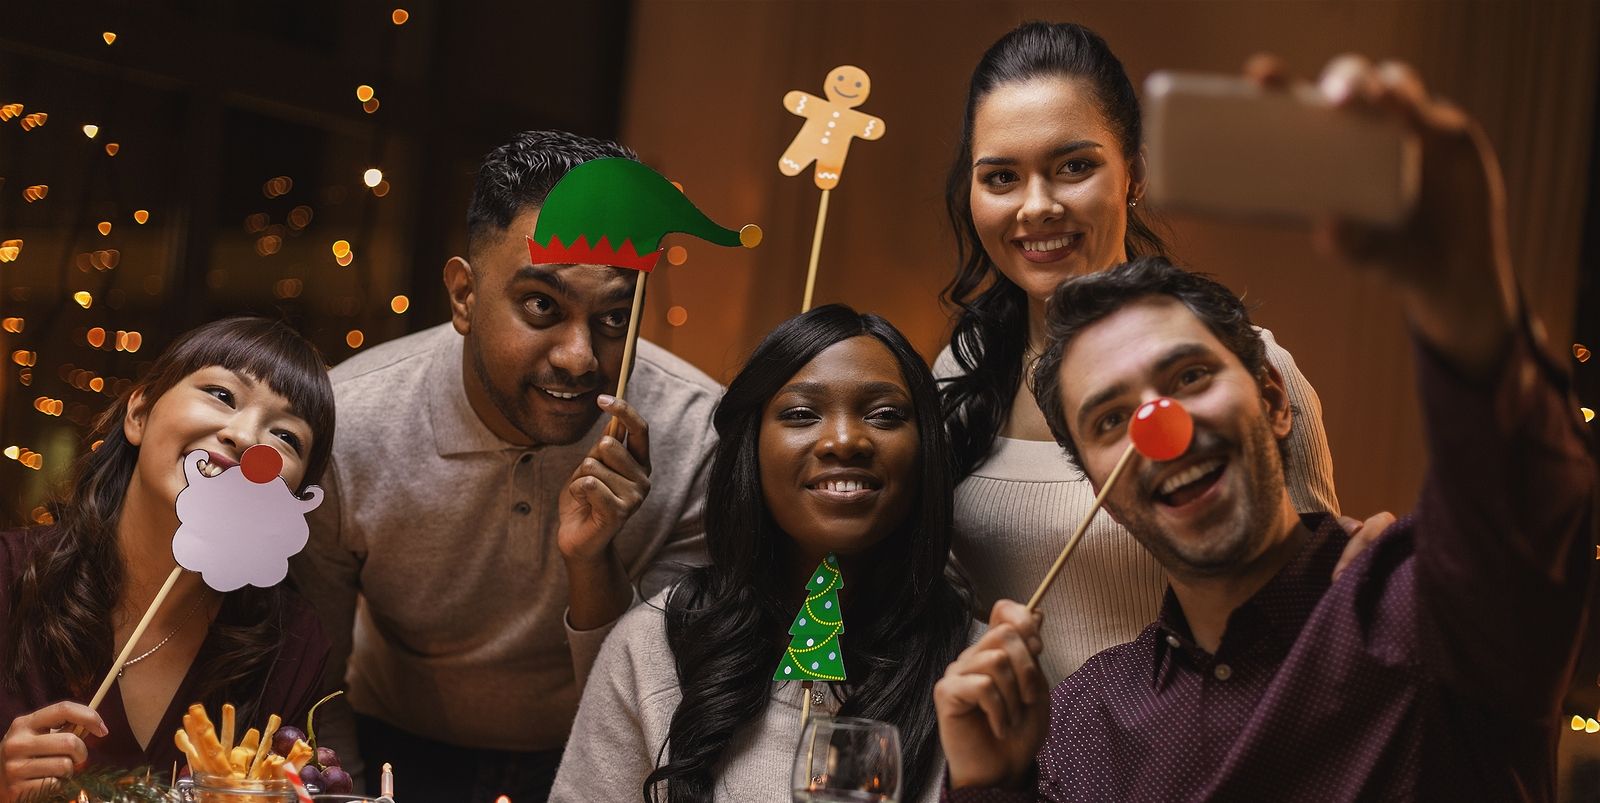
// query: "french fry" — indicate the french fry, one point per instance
point(201, 759)
point(270, 767)
point(239, 759)
point(227, 727)
point(299, 753)
point(181, 739)
point(209, 743)
point(251, 740)
point(266, 742)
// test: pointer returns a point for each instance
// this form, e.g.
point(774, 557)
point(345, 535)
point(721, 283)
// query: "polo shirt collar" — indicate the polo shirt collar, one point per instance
point(457, 429)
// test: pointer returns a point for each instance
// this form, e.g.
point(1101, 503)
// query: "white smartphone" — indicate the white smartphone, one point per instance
point(1221, 145)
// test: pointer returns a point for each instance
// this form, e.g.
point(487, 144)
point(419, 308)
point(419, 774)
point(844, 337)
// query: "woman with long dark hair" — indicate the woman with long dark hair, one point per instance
point(1046, 185)
point(72, 592)
point(830, 442)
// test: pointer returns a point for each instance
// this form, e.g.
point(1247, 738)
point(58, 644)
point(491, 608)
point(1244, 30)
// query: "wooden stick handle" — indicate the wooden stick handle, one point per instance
point(805, 705)
point(138, 630)
point(816, 250)
point(633, 333)
point(1061, 560)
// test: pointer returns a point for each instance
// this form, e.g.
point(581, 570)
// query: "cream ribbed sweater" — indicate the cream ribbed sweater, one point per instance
point(1014, 513)
point(627, 709)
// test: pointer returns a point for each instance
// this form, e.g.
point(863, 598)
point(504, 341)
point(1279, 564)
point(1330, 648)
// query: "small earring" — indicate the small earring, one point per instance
point(1132, 202)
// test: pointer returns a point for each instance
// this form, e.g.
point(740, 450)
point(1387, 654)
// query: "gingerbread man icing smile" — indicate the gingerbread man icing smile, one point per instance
point(830, 125)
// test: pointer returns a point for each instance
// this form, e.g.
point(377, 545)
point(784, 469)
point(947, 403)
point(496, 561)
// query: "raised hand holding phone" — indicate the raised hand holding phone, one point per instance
point(1390, 177)
point(1228, 145)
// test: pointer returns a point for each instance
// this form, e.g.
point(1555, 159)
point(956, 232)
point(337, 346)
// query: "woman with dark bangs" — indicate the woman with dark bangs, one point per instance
point(72, 592)
point(830, 442)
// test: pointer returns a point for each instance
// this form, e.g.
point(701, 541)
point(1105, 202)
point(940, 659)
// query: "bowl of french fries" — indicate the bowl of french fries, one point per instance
point(244, 772)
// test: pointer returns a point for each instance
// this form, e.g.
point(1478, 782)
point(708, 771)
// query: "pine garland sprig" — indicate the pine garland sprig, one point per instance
point(104, 785)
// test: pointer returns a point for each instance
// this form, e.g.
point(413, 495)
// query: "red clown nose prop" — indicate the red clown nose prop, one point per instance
point(1160, 430)
point(261, 463)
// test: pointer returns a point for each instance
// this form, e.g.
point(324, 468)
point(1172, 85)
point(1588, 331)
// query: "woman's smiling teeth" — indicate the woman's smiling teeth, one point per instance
point(210, 469)
point(1048, 245)
point(842, 486)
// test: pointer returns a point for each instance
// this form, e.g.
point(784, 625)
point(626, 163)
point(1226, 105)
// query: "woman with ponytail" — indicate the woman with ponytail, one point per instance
point(830, 442)
point(1046, 185)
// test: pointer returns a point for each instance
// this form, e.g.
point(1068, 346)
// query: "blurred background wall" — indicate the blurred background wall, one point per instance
point(243, 134)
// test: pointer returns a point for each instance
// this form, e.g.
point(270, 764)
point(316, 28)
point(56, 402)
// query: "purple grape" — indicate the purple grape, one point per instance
point(311, 776)
point(327, 758)
point(336, 781)
point(283, 741)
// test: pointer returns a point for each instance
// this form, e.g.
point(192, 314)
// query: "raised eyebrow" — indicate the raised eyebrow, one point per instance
point(997, 161)
point(1097, 399)
point(1180, 353)
point(622, 295)
point(865, 388)
point(544, 274)
point(1075, 145)
point(803, 387)
point(1055, 153)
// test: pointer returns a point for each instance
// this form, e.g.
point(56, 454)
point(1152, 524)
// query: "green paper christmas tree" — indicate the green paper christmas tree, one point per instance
point(814, 652)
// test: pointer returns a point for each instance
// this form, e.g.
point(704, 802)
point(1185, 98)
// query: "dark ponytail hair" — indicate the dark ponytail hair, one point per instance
point(990, 336)
point(62, 609)
point(726, 622)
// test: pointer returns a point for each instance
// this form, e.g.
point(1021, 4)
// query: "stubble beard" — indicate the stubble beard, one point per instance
point(1236, 539)
point(516, 410)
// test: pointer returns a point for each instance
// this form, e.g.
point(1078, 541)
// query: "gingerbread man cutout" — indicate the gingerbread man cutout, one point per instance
point(830, 125)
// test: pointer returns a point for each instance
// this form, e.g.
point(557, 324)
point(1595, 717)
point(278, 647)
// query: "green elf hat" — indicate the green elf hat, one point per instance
point(615, 212)
point(813, 652)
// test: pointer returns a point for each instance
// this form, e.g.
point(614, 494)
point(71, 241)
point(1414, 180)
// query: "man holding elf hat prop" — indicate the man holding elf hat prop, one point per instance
point(492, 525)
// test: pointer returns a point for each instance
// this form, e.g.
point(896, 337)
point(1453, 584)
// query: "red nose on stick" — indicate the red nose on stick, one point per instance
point(261, 463)
point(1161, 429)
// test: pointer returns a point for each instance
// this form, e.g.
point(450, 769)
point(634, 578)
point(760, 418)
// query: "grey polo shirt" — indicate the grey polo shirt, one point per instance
point(433, 558)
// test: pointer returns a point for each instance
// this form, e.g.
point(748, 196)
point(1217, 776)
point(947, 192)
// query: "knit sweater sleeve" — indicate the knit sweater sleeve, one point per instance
point(622, 719)
point(1308, 471)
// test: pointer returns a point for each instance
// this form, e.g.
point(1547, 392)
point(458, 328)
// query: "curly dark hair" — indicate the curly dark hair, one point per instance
point(1083, 300)
point(521, 173)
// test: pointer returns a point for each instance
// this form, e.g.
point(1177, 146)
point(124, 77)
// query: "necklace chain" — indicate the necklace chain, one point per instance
point(162, 643)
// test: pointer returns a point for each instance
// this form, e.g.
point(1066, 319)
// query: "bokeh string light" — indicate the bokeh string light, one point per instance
point(82, 311)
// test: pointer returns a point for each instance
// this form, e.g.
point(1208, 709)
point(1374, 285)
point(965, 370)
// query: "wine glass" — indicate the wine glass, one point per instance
point(847, 760)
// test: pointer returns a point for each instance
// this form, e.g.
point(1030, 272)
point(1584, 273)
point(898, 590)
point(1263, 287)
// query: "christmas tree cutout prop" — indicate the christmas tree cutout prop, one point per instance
point(814, 652)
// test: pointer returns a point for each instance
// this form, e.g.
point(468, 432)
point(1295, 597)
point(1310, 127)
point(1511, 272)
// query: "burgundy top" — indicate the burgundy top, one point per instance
point(290, 688)
point(1433, 669)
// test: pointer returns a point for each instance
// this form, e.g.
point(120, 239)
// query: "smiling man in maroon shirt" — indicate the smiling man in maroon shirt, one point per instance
point(1433, 667)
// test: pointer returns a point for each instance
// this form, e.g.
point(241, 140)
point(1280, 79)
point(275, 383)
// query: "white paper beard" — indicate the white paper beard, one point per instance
point(236, 532)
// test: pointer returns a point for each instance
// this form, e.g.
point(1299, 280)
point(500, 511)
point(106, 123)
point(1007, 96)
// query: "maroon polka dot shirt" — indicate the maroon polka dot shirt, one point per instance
point(1433, 669)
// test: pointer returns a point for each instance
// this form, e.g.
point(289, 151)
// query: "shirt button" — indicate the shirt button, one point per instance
point(1173, 640)
point(522, 507)
point(1222, 672)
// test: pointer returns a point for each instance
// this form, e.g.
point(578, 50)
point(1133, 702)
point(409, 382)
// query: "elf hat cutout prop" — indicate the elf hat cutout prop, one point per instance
point(615, 212)
point(813, 652)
